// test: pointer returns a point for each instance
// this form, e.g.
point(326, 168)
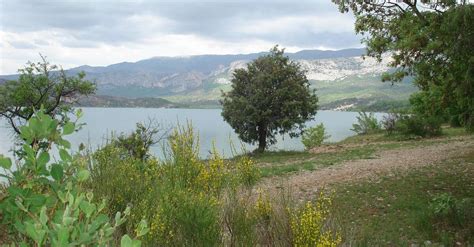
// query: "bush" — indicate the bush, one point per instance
point(451, 210)
point(314, 136)
point(44, 202)
point(138, 143)
point(193, 202)
point(366, 123)
point(419, 126)
point(308, 225)
point(389, 122)
point(180, 196)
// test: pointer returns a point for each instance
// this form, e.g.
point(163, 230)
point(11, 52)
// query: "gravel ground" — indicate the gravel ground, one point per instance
point(306, 184)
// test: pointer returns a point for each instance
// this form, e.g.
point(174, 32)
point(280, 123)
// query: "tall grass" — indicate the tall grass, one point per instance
point(192, 202)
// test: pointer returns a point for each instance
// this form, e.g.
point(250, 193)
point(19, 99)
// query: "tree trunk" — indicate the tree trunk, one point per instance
point(262, 138)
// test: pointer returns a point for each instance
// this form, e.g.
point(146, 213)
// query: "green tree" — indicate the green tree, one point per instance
point(430, 40)
point(270, 96)
point(41, 85)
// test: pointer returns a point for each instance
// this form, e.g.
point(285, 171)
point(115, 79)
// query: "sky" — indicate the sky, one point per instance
point(102, 32)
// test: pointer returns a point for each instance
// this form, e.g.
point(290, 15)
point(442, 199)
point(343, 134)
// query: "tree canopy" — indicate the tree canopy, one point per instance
point(270, 96)
point(41, 85)
point(430, 40)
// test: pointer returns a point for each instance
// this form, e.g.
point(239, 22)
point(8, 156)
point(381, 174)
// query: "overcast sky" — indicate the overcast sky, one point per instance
point(94, 32)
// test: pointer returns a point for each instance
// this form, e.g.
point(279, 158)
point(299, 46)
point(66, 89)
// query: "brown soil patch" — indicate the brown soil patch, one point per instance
point(306, 184)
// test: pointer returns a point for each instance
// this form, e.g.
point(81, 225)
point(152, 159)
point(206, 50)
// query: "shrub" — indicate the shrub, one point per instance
point(193, 202)
point(247, 172)
point(389, 122)
point(180, 196)
point(138, 143)
point(366, 123)
point(308, 225)
point(443, 204)
point(44, 203)
point(451, 210)
point(419, 126)
point(314, 136)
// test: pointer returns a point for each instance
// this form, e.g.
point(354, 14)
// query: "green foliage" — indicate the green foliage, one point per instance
point(307, 225)
point(247, 171)
point(314, 136)
point(446, 207)
point(41, 85)
point(138, 143)
point(44, 203)
point(443, 204)
point(399, 209)
point(269, 97)
point(189, 201)
point(238, 220)
point(419, 126)
point(425, 42)
point(366, 123)
point(180, 196)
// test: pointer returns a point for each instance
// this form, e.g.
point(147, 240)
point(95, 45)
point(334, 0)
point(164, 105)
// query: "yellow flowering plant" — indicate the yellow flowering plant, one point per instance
point(308, 225)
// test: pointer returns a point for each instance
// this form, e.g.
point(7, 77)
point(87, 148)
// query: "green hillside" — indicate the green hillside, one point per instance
point(363, 92)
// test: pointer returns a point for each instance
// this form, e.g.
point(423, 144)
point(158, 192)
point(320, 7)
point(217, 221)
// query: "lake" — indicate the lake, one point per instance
point(100, 122)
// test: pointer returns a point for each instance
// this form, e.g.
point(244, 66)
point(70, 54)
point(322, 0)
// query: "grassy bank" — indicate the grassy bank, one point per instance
point(356, 147)
point(400, 209)
point(429, 203)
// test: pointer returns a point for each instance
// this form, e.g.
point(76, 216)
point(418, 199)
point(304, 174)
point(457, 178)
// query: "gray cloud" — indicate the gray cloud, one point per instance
point(91, 23)
point(102, 32)
point(22, 45)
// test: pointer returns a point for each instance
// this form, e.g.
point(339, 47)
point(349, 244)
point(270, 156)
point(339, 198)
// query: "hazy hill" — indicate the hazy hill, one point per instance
point(342, 77)
point(113, 101)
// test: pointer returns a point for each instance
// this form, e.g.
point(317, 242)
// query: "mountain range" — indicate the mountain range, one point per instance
point(343, 78)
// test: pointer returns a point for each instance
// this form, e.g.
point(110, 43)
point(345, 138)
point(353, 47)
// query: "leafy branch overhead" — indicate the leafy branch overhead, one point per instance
point(429, 40)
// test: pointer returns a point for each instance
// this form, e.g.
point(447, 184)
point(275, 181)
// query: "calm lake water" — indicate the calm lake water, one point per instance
point(100, 122)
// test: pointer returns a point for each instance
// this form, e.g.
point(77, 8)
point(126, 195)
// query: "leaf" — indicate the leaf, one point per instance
point(118, 215)
point(5, 162)
point(35, 202)
point(126, 241)
point(57, 172)
point(142, 228)
point(35, 125)
point(36, 232)
point(29, 151)
point(79, 113)
point(83, 175)
point(19, 204)
point(63, 236)
point(26, 134)
point(68, 128)
point(43, 216)
point(43, 159)
point(65, 156)
point(87, 207)
point(98, 221)
point(66, 144)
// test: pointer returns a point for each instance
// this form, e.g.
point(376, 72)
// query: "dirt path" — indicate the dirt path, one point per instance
point(306, 183)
